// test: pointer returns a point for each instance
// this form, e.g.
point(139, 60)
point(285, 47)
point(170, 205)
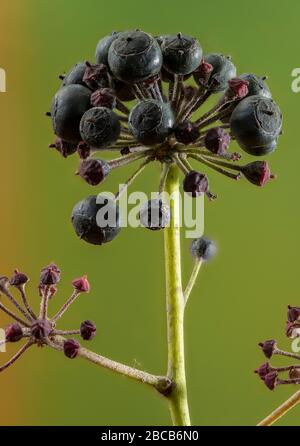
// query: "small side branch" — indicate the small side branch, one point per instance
point(281, 410)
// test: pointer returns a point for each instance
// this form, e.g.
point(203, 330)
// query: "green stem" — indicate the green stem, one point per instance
point(178, 402)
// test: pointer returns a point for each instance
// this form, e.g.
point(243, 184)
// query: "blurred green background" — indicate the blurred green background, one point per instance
point(241, 297)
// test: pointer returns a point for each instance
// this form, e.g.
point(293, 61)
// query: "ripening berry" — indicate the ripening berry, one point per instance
point(68, 107)
point(75, 75)
point(134, 56)
point(181, 54)
point(93, 171)
point(256, 123)
point(103, 47)
point(151, 121)
point(88, 330)
point(71, 348)
point(223, 70)
point(96, 219)
point(155, 214)
point(100, 127)
point(203, 248)
point(195, 183)
point(13, 333)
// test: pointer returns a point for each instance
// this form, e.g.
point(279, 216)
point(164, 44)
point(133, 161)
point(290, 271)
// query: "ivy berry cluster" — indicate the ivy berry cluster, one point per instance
point(165, 80)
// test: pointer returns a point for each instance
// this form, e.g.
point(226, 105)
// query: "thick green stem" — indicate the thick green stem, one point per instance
point(175, 306)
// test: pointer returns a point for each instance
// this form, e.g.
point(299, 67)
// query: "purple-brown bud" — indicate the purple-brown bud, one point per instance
point(292, 330)
point(268, 347)
point(186, 132)
point(217, 140)
point(50, 275)
point(95, 76)
point(88, 330)
point(83, 150)
point(93, 171)
point(238, 87)
point(13, 333)
point(293, 313)
point(71, 348)
point(203, 72)
point(81, 285)
point(18, 279)
point(263, 370)
point(104, 97)
point(195, 183)
point(41, 329)
point(63, 147)
point(257, 172)
point(270, 380)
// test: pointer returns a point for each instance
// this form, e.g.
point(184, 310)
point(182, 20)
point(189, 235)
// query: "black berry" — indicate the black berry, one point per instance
point(256, 85)
point(75, 75)
point(155, 214)
point(100, 127)
point(181, 54)
point(203, 248)
point(256, 124)
point(223, 70)
point(151, 121)
point(103, 48)
point(93, 225)
point(68, 107)
point(134, 56)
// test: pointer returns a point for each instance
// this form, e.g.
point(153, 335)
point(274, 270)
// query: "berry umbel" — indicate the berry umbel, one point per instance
point(90, 116)
point(39, 328)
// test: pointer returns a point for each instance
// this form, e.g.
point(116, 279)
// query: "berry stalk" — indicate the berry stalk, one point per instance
point(178, 401)
point(281, 410)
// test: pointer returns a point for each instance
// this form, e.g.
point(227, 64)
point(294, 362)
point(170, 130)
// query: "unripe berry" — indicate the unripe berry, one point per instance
point(88, 330)
point(203, 248)
point(195, 183)
point(223, 70)
point(93, 225)
point(181, 54)
point(71, 348)
point(217, 140)
point(134, 56)
point(100, 127)
point(103, 47)
point(93, 171)
point(75, 75)
point(155, 214)
point(81, 285)
point(151, 121)
point(186, 132)
point(256, 123)
point(13, 333)
point(104, 97)
point(68, 107)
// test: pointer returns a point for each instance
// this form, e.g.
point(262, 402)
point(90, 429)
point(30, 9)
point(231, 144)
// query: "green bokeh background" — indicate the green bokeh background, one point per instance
point(241, 297)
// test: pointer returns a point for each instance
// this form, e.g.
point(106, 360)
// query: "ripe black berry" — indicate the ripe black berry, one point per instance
point(155, 214)
point(181, 54)
point(13, 333)
point(256, 124)
point(223, 71)
point(151, 121)
point(134, 56)
point(203, 248)
point(93, 171)
point(186, 132)
point(75, 75)
point(93, 226)
point(71, 348)
point(103, 48)
point(88, 330)
point(195, 183)
point(68, 107)
point(100, 127)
